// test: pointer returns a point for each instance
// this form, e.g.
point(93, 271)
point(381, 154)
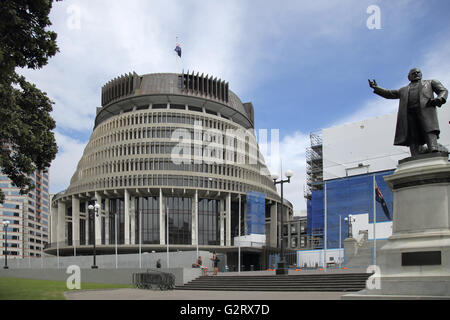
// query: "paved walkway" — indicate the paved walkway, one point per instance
point(140, 294)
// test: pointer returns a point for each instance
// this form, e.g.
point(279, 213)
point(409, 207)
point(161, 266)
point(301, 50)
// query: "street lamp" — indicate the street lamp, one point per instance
point(282, 269)
point(5, 225)
point(349, 221)
point(93, 212)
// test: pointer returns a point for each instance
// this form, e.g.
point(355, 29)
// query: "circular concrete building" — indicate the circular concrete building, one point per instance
point(171, 157)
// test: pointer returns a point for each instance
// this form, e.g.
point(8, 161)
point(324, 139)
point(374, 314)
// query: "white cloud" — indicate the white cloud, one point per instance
point(65, 163)
point(290, 156)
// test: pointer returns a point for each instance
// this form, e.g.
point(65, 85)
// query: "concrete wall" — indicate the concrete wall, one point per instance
point(182, 259)
point(111, 276)
point(54, 268)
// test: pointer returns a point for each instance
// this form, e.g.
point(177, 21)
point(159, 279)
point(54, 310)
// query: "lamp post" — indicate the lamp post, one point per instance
point(349, 221)
point(282, 269)
point(5, 225)
point(93, 213)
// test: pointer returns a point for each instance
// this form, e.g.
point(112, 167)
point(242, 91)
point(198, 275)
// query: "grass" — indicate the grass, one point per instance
point(28, 289)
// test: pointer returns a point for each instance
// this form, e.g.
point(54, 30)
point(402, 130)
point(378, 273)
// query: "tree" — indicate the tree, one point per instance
point(27, 142)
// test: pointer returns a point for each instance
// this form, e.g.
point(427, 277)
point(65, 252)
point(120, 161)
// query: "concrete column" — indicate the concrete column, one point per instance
point(195, 218)
point(273, 225)
point(107, 221)
point(228, 220)
point(132, 221)
point(98, 220)
point(221, 221)
point(75, 222)
point(162, 219)
point(54, 219)
point(61, 221)
point(127, 217)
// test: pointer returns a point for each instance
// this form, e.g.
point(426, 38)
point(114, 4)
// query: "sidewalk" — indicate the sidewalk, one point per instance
point(140, 294)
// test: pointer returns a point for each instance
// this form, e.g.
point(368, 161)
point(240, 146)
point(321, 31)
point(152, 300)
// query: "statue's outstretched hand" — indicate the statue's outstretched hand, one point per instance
point(373, 84)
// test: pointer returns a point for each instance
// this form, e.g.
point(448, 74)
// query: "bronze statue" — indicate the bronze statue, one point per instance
point(417, 122)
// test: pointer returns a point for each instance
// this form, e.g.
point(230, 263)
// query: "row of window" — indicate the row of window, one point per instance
point(150, 117)
point(180, 155)
point(217, 146)
point(17, 222)
point(230, 136)
point(164, 164)
point(105, 134)
point(10, 185)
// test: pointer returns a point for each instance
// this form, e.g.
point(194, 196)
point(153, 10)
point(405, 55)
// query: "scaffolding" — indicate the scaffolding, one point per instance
point(315, 240)
point(314, 165)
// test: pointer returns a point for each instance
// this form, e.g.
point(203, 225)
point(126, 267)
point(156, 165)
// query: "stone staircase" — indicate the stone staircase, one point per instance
point(336, 282)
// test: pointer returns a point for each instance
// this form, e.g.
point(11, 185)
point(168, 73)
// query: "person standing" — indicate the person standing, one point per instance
point(215, 261)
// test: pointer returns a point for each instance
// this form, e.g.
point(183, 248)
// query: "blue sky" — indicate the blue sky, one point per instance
point(303, 64)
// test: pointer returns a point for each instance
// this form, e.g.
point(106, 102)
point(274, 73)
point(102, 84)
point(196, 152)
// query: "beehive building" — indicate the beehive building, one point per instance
point(171, 158)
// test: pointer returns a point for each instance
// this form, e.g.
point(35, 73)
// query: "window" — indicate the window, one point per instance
point(149, 208)
point(180, 219)
point(208, 215)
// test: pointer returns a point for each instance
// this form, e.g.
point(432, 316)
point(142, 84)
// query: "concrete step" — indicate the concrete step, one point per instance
point(280, 277)
point(274, 282)
point(322, 282)
point(293, 289)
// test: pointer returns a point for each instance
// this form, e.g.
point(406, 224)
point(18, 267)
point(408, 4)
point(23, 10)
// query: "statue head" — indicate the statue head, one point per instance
point(414, 74)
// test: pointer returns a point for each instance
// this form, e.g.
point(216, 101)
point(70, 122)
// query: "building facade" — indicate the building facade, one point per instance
point(172, 159)
point(28, 216)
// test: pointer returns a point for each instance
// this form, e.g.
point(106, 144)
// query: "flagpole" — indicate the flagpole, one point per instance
point(340, 242)
point(239, 236)
point(140, 238)
point(167, 232)
point(374, 222)
point(325, 229)
point(196, 219)
point(176, 58)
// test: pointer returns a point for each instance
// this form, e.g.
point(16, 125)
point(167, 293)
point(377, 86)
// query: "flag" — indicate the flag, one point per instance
point(380, 199)
point(178, 50)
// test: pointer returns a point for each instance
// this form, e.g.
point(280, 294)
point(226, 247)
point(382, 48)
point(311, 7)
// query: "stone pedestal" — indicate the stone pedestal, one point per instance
point(415, 261)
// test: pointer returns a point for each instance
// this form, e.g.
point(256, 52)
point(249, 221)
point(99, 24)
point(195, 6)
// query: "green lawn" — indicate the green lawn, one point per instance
point(28, 289)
